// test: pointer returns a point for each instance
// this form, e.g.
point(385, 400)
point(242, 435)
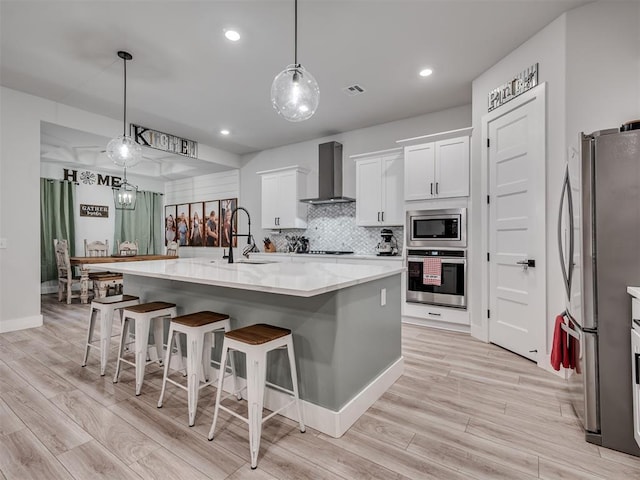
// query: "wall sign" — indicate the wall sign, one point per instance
point(164, 141)
point(101, 211)
point(525, 80)
point(90, 178)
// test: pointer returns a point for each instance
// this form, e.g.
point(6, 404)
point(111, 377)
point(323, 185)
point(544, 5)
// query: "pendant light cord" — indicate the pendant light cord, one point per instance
point(295, 34)
point(124, 116)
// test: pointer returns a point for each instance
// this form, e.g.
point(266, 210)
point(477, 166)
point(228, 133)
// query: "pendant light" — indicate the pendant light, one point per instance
point(294, 92)
point(124, 152)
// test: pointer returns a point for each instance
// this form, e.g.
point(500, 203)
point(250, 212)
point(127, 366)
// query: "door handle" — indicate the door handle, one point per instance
point(527, 263)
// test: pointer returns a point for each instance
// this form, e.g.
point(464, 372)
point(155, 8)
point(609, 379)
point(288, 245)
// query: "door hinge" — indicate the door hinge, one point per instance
point(488, 143)
point(488, 313)
point(488, 257)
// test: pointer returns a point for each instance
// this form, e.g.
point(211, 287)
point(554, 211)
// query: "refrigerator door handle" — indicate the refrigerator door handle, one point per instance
point(567, 271)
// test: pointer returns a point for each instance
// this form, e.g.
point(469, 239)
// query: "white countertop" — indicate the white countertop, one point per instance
point(634, 292)
point(299, 279)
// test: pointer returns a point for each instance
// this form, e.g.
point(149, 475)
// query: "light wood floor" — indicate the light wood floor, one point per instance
point(463, 409)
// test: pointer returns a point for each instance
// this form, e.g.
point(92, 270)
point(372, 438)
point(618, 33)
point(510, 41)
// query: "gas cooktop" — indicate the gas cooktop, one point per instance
point(329, 252)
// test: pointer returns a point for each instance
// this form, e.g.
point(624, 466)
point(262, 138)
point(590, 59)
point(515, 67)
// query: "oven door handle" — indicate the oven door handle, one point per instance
point(457, 261)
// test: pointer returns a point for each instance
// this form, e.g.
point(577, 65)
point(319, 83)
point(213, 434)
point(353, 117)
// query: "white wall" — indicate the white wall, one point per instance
point(215, 186)
point(305, 154)
point(603, 67)
point(20, 117)
point(547, 48)
point(590, 59)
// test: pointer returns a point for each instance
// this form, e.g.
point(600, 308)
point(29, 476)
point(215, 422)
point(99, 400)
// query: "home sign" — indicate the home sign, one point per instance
point(523, 81)
point(164, 141)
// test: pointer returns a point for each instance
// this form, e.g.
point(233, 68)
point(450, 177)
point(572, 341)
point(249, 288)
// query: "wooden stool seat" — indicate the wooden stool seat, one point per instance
point(199, 319)
point(115, 299)
point(150, 307)
point(257, 334)
point(199, 329)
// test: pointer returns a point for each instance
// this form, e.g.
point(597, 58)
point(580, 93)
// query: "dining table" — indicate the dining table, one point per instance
point(85, 264)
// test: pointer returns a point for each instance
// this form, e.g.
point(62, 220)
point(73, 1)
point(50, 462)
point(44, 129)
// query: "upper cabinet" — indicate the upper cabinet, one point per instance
point(437, 169)
point(282, 190)
point(379, 188)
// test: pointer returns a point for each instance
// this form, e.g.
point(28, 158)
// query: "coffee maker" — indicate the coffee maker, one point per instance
point(388, 245)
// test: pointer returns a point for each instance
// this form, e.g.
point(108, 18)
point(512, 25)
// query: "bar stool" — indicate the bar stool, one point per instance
point(142, 315)
point(255, 341)
point(199, 328)
point(105, 307)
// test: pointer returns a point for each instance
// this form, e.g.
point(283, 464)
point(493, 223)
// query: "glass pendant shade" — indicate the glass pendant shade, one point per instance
point(124, 152)
point(125, 195)
point(295, 93)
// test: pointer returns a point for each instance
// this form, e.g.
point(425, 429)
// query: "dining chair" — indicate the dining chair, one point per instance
point(172, 249)
point(96, 248)
point(128, 248)
point(66, 279)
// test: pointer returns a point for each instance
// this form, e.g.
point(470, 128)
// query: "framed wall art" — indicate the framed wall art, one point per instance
point(226, 207)
point(196, 225)
point(212, 223)
point(182, 224)
point(169, 224)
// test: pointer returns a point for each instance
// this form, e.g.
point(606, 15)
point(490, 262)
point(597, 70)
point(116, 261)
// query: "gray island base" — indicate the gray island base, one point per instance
point(347, 344)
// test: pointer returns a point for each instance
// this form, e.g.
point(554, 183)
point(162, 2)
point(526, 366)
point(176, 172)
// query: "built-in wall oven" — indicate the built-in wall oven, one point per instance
point(437, 228)
point(451, 288)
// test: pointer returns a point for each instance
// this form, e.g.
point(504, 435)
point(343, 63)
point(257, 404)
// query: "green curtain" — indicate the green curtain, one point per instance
point(143, 224)
point(56, 222)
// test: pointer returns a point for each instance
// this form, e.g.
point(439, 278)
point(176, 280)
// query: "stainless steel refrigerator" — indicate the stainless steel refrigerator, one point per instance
point(599, 240)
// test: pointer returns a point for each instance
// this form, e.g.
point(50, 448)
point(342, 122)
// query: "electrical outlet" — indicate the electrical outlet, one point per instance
point(383, 297)
point(3, 243)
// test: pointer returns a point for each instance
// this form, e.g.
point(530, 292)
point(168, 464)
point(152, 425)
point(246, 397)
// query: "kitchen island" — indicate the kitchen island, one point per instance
point(345, 321)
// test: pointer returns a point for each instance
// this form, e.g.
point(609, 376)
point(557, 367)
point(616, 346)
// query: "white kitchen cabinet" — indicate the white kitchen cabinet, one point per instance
point(379, 184)
point(282, 190)
point(437, 169)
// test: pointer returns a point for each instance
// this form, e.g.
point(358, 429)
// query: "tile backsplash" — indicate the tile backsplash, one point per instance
point(333, 227)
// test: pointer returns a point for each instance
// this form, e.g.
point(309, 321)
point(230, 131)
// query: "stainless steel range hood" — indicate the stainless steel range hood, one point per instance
point(329, 175)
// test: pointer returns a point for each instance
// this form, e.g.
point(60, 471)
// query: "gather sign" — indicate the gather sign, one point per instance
point(101, 211)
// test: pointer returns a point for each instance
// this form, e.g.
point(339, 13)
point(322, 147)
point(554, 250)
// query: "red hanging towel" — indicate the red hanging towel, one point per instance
point(559, 348)
point(432, 271)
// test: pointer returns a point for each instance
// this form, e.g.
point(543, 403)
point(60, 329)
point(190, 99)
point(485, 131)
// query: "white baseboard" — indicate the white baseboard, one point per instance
point(23, 323)
point(330, 422)
point(424, 322)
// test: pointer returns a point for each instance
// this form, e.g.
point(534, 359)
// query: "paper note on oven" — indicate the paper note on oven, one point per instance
point(432, 271)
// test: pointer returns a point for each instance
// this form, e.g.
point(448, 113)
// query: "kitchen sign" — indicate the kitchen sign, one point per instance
point(101, 211)
point(164, 141)
point(523, 81)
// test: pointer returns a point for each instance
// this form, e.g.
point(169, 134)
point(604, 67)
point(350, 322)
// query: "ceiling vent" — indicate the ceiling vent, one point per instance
point(353, 90)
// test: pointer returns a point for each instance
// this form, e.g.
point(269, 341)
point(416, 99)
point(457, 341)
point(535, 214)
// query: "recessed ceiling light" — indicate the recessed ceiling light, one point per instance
point(224, 131)
point(232, 35)
point(425, 72)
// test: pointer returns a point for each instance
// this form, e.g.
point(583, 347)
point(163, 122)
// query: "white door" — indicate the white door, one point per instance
point(516, 160)
point(368, 192)
point(392, 181)
point(452, 168)
point(287, 206)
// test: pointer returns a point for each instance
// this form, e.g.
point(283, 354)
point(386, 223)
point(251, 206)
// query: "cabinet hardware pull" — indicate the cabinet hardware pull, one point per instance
point(436, 188)
point(382, 216)
point(435, 314)
point(637, 369)
point(378, 216)
point(431, 188)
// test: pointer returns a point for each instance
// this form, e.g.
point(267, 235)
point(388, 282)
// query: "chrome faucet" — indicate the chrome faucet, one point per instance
point(251, 246)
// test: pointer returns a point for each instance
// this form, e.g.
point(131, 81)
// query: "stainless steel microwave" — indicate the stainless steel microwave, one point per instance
point(437, 228)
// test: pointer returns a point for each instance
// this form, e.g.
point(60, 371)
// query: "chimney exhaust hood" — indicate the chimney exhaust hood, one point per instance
point(329, 176)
